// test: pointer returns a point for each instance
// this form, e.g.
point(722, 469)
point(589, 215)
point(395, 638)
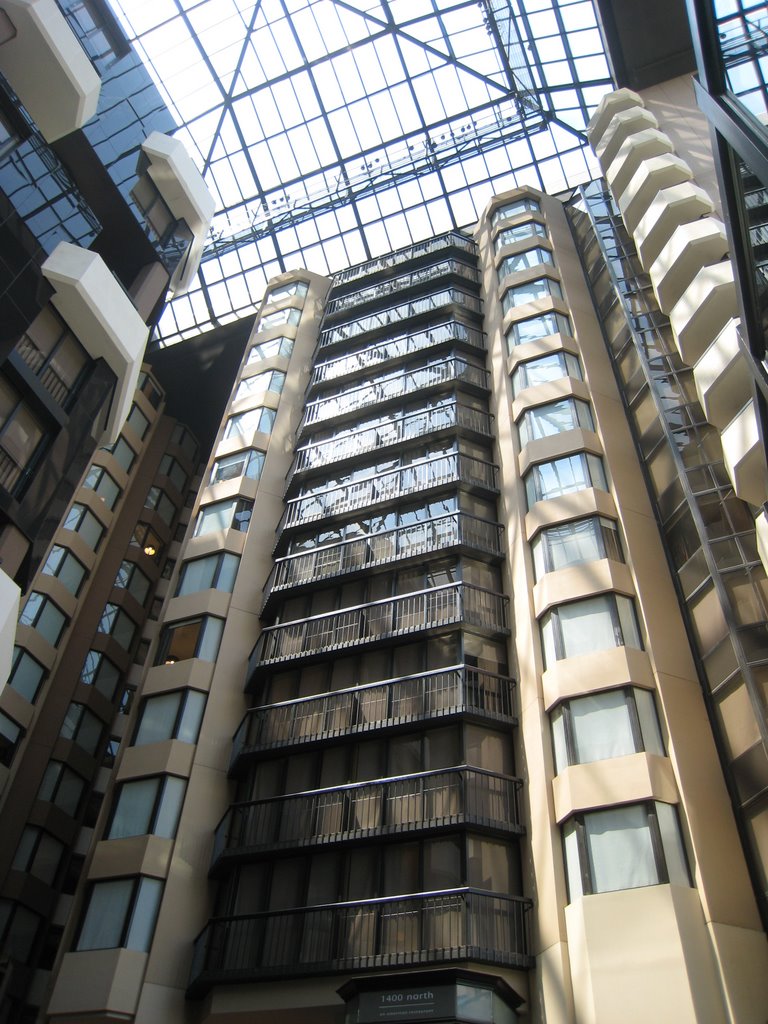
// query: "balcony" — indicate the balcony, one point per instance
point(387, 432)
point(458, 529)
point(442, 693)
point(393, 285)
point(452, 240)
point(453, 604)
point(388, 487)
point(397, 314)
point(433, 928)
point(392, 386)
point(397, 348)
point(46, 66)
point(450, 798)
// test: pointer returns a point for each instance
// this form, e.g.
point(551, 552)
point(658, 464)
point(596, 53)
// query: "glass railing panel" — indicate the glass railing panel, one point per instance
point(452, 239)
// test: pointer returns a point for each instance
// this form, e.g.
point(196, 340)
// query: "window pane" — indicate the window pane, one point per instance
point(620, 849)
point(144, 915)
point(169, 811)
point(105, 915)
point(672, 843)
point(26, 676)
point(133, 811)
point(587, 626)
point(192, 717)
point(601, 726)
point(158, 718)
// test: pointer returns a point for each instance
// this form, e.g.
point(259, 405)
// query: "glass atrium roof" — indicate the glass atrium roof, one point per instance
point(331, 132)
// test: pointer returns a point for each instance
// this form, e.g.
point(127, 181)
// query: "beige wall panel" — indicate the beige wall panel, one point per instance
point(137, 855)
point(741, 954)
point(615, 780)
point(99, 980)
point(544, 449)
point(171, 756)
point(202, 602)
point(569, 506)
point(582, 580)
point(661, 968)
point(193, 673)
point(540, 347)
point(601, 670)
point(551, 391)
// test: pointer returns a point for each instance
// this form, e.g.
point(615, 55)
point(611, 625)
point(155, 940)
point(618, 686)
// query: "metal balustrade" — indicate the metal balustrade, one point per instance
point(451, 239)
point(448, 605)
point(371, 550)
point(452, 925)
point(371, 436)
point(392, 285)
point(397, 347)
point(394, 385)
point(396, 314)
point(457, 796)
point(453, 468)
point(388, 703)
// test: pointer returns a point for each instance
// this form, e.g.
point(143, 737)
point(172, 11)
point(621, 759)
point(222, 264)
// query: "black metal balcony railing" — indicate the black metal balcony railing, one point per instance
point(457, 796)
point(452, 604)
point(392, 386)
point(372, 436)
point(39, 363)
point(452, 239)
point(455, 690)
point(397, 314)
point(392, 285)
point(371, 550)
point(398, 347)
point(453, 468)
point(442, 927)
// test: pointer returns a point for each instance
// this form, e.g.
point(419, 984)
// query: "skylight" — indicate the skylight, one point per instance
point(330, 132)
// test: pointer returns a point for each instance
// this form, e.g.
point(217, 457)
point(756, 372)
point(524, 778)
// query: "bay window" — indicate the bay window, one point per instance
point(523, 261)
point(535, 327)
point(554, 366)
point(192, 638)
point(234, 514)
point(541, 288)
point(526, 204)
point(590, 624)
point(554, 418)
point(150, 806)
point(611, 723)
point(581, 540)
point(624, 848)
point(170, 716)
point(120, 913)
point(564, 476)
point(520, 231)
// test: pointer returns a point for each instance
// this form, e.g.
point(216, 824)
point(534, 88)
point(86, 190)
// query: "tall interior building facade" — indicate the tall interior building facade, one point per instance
point(397, 651)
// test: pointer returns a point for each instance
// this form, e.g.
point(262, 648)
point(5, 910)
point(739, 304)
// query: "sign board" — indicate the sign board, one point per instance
point(407, 1005)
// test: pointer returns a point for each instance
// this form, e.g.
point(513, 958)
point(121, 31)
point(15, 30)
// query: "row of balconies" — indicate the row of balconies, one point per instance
point(425, 928)
point(397, 348)
point(387, 433)
point(360, 554)
point(453, 797)
point(454, 468)
point(452, 604)
point(421, 306)
point(390, 703)
point(451, 240)
point(393, 386)
point(392, 286)
point(684, 250)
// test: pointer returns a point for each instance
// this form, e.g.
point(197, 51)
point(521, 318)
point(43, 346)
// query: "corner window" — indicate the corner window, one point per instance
point(11, 735)
point(147, 807)
point(26, 675)
point(120, 913)
point(185, 440)
point(118, 624)
point(159, 500)
point(267, 349)
point(518, 233)
point(99, 480)
point(38, 854)
point(624, 848)
point(150, 389)
point(280, 318)
point(611, 723)
point(248, 387)
point(248, 423)
point(524, 205)
point(138, 422)
point(69, 570)
point(582, 540)
point(82, 521)
point(593, 624)
point(171, 468)
point(170, 716)
point(82, 727)
point(543, 288)
point(193, 638)
point(98, 671)
point(144, 537)
point(131, 578)
point(554, 366)
point(44, 616)
point(523, 261)
point(21, 434)
point(214, 572)
point(554, 418)
point(62, 786)
point(564, 476)
point(536, 327)
point(224, 515)
point(248, 463)
point(122, 453)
